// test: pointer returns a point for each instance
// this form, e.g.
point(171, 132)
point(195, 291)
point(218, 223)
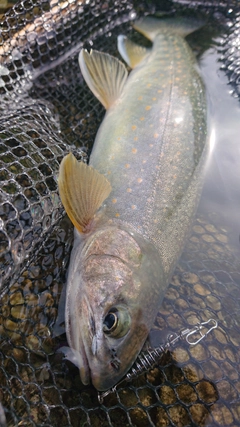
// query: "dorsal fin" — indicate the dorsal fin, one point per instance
point(104, 74)
point(82, 190)
point(131, 52)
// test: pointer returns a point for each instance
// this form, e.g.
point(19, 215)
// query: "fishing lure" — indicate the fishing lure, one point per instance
point(151, 357)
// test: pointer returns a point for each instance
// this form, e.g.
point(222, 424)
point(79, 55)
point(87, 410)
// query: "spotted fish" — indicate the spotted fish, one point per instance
point(133, 205)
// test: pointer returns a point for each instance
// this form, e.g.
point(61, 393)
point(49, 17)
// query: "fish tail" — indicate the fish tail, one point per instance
point(150, 27)
point(182, 26)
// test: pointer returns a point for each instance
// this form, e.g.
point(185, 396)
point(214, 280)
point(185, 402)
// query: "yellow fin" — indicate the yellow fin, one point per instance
point(131, 52)
point(104, 74)
point(82, 190)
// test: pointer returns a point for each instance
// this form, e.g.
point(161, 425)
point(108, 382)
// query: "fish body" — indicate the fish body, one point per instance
point(150, 149)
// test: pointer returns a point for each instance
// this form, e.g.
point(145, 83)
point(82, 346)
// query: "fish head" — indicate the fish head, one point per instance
point(111, 305)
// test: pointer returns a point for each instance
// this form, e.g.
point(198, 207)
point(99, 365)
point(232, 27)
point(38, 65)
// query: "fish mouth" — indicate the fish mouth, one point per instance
point(75, 336)
point(79, 354)
point(84, 368)
point(96, 370)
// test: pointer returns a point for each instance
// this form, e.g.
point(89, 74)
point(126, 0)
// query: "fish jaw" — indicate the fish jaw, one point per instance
point(103, 361)
point(108, 280)
point(107, 372)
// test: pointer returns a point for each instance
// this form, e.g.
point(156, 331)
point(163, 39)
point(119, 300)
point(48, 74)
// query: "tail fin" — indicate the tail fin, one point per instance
point(150, 27)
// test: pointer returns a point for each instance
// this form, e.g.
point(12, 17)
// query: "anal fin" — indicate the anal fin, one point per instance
point(82, 190)
point(131, 52)
point(104, 74)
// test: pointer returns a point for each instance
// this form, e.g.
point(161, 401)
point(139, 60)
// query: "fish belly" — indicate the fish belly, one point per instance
point(150, 147)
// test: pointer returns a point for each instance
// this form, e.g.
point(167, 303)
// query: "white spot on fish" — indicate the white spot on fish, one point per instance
point(178, 120)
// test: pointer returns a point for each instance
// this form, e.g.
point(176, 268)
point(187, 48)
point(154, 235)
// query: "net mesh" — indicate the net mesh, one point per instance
point(46, 110)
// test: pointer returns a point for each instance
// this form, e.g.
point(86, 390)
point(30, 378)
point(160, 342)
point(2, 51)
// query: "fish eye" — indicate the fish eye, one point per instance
point(110, 321)
point(117, 322)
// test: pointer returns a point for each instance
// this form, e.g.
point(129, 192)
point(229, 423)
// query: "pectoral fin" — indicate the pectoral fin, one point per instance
point(104, 74)
point(82, 190)
point(131, 52)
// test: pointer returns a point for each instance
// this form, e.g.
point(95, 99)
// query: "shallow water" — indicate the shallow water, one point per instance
point(221, 192)
point(193, 385)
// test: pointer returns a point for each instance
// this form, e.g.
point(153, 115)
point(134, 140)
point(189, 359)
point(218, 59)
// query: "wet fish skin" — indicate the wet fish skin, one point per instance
point(150, 144)
point(150, 147)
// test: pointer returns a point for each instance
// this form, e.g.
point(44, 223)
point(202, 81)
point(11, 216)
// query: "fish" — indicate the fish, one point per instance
point(133, 205)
